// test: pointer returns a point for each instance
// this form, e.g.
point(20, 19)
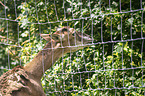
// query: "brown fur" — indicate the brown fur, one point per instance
point(26, 81)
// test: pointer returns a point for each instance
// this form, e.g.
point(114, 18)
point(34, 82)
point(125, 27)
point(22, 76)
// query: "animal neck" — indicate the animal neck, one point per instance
point(44, 59)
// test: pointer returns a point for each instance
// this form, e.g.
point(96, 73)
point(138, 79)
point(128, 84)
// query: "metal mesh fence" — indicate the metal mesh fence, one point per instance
point(114, 64)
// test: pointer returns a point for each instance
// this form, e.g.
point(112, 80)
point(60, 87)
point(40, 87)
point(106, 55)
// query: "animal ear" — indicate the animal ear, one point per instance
point(46, 37)
point(71, 29)
point(65, 28)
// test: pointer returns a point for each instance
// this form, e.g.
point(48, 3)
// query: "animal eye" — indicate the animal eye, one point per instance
point(56, 38)
point(64, 29)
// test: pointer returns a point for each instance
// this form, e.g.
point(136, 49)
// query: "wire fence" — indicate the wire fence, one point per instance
point(114, 64)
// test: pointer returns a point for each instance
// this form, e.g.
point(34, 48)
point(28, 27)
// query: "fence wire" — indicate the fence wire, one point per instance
point(114, 64)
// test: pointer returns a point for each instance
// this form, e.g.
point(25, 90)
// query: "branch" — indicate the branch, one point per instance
point(2, 4)
point(4, 38)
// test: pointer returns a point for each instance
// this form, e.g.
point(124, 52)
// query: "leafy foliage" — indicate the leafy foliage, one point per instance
point(113, 65)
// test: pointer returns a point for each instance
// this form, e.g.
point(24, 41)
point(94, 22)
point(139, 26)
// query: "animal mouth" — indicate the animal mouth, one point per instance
point(84, 38)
